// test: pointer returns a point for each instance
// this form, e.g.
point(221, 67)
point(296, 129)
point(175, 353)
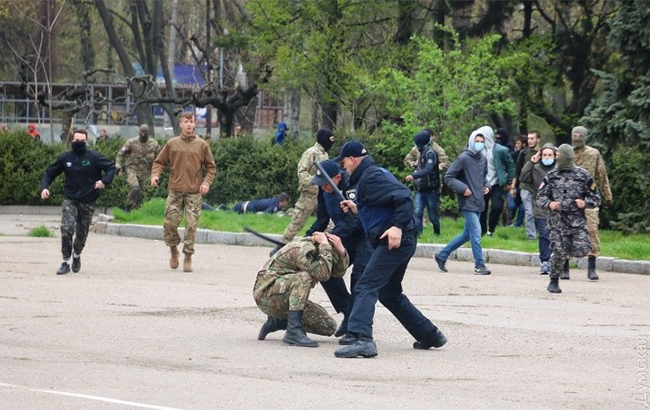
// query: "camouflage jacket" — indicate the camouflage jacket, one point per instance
point(411, 159)
point(565, 186)
point(138, 155)
point(302, 255)
point(307, 169)
point(591, 160)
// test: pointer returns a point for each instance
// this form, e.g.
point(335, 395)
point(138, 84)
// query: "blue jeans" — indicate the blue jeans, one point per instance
point(512, 209)
point(382, 279)
point(544, 241)
point(471, 233)
point(431, 199)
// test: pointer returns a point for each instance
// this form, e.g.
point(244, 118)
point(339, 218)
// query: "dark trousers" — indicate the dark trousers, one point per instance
point(544, 241)
point(382, 280)
point(76, 218)
point(335, 288)
point(496, 198)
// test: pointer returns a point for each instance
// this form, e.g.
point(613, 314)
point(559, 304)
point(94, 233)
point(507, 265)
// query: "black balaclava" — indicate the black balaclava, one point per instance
point(323, 137)
point(78, 147)
point(421, 139)
point(502, 137)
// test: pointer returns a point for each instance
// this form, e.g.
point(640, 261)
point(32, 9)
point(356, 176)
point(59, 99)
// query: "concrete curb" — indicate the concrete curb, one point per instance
point(423, 250)
point(41, 210)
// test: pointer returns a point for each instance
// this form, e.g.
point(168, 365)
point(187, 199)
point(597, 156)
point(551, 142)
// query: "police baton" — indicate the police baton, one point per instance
point(324, 174)
point(265, 237)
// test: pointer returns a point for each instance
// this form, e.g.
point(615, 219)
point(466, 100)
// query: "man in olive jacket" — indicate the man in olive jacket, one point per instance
point(501, 171)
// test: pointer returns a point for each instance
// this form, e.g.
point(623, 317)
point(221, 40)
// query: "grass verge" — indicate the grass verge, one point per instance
point(613, 243)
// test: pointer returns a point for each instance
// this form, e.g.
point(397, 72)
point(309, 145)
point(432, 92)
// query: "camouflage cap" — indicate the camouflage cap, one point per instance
point(144, 128)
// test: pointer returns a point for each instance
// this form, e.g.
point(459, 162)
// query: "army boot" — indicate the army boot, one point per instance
point(272, 324)
point(173, 261)
point(294, 335)
point(343, 327)
point(362, 347)
point(554, 286)
point(565, 271)
point(434, 339)
point(591, 268)
point(187, 263)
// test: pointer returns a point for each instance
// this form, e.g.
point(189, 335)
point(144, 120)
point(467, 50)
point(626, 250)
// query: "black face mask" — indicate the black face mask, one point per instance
point(325, 142)
point(79, 146)
point(144, 137)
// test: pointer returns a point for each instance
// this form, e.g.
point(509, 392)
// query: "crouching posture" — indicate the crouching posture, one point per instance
point(283, 285)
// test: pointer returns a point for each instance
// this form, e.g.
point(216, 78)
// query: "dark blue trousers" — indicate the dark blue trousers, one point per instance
point(382, 280)
point(335, 288)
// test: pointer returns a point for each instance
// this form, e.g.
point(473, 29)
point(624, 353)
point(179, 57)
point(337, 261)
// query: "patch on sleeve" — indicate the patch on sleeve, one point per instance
point(592, 186)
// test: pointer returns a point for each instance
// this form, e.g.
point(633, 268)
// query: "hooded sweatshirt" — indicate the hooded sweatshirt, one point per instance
point(469, 170)
point(488, 152)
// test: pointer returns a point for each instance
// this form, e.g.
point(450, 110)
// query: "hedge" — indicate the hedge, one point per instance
point(249, 167)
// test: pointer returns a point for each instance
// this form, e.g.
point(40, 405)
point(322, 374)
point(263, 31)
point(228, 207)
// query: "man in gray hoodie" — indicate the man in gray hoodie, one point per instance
point(467, 177)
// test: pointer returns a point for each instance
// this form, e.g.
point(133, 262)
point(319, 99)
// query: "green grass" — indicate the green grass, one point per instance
point(41, 231)
point(613, 243)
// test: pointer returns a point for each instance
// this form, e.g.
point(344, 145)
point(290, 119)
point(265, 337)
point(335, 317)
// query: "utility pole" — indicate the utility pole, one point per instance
point(208, 59)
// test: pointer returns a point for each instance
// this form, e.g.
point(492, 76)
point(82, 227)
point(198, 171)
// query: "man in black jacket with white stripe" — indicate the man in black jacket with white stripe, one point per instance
point(385, 209)
point(83, 181)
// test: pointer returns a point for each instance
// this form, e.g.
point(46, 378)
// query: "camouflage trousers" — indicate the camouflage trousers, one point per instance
point(75, 221)
point(592, 227)
point(137, 182)
point(291, 293)
point(306, 205)
point(564, 244)
point(177, 202)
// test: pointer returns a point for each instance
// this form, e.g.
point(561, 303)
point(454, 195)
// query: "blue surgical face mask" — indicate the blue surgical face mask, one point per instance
point(478, 146)
point(548, 161)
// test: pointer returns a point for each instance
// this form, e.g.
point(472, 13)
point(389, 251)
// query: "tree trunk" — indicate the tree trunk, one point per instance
point(291, 112)
point(329, 115)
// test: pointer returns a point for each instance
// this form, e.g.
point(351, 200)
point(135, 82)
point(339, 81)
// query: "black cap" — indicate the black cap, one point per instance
point(351, 149)
point(332, 168)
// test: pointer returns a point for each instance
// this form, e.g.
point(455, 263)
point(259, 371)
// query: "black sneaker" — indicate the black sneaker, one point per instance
point(65, 268)
point(435, 339)
point(76, 264)
point(347, 339)
point(441, 262)
point(481, 270)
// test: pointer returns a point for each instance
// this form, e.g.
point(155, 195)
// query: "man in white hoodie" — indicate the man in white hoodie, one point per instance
point(467, 177)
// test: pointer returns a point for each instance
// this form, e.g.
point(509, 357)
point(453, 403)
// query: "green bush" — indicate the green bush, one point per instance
point(41, 231)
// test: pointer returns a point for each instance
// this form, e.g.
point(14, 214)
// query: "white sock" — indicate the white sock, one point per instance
point(66, 261)
point(74, 255)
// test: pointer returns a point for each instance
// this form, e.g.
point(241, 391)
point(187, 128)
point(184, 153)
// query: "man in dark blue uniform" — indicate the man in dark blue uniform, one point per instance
point(348, 228)
point(385, 209)
point(266, 205)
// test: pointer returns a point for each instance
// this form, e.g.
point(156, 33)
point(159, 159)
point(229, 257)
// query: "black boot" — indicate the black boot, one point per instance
point(343, 327)
point(76, 263)
point(434, 339)
point(294, 335)
point(565, 271)
point(65, 268)
point(272, 324)
point(554, 286)
point(591, 268)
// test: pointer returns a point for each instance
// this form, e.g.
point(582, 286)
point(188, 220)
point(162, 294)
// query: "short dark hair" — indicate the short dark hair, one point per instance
point(537, 134)
point(80, 131)
point(284, 197)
